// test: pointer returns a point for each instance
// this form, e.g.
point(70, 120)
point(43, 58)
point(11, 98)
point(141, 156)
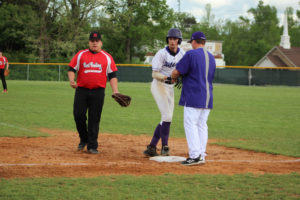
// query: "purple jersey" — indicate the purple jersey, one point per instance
point(197, 68)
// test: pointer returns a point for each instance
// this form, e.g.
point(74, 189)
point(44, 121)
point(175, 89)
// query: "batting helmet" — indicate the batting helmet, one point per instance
point(174, 33)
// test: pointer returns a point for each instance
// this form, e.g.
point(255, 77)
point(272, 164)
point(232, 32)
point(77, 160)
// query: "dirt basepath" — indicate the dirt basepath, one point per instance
point(57, 156)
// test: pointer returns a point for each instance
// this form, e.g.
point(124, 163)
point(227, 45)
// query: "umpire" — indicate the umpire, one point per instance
point(93, 67)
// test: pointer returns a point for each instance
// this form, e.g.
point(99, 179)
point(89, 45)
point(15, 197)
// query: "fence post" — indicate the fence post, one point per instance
point(249, 77)
point(27, 72)
point(58, 72)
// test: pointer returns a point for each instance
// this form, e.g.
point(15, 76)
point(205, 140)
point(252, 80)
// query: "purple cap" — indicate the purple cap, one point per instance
point(197, 35)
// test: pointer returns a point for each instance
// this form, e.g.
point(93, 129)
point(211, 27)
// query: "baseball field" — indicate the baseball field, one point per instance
point(253, 150)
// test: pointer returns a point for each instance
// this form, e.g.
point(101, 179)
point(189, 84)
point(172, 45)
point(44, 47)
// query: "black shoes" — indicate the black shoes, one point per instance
point(193, 161)
point(165, 151)
point(81, 146)
point(150, 151)
point(93, 151)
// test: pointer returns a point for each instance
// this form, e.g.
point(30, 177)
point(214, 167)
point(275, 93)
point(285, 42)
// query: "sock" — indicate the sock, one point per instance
point(156, 136)
point(165, 132)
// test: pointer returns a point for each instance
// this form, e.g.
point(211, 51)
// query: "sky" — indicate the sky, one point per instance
point(230, 9)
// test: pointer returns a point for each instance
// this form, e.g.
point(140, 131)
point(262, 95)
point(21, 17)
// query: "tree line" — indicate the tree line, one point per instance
point(54, 30)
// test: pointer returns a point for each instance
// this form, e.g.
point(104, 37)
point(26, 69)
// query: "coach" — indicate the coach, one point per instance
point(93, 66)
point(197, 68)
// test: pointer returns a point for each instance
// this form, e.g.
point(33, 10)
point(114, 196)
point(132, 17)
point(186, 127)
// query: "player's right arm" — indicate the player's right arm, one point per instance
point(157, 64)
point(73, 66)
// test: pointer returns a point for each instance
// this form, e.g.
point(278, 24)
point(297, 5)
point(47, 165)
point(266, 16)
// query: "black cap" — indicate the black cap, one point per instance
point(95, 36)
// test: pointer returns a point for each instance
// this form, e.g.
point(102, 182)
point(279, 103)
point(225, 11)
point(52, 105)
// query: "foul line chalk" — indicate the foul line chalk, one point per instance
point(257, 161)
point(42, 164)
point(17, 127)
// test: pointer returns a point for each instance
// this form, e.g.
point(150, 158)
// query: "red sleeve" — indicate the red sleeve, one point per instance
point(75, 61)
point(113, 66)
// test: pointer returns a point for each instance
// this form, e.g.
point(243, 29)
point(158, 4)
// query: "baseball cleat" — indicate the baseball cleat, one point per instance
point(193, 161)
point(165, 151)
point(150, 151)
point(81, 146)
point(93, 151)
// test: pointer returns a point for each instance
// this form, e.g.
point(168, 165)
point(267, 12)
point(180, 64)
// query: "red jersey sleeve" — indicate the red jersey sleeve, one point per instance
point(111, 65)
point(75, 62)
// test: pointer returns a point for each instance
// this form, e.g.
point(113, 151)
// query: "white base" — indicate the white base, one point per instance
point(168, 158)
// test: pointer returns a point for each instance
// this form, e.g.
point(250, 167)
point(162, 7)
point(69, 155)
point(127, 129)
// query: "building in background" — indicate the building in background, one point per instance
point(283, 55)
point(214, 47)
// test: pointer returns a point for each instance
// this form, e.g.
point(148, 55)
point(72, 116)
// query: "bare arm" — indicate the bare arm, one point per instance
point(7, 65)
point(71, 76)
point(175, 74)
point(114, 85)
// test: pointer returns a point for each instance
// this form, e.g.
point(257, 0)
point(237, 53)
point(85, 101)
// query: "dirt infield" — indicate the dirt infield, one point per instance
point(56, 156)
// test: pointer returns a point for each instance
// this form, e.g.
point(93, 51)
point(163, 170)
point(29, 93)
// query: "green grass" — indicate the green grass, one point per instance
point(155, 187)
point(258, 118)
point(265, 119)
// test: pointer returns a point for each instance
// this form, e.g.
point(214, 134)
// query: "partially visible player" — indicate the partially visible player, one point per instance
point(3, 61)
point(93, 67)
point(162, 89)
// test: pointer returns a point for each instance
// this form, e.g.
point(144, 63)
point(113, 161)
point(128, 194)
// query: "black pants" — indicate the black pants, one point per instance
point(91, 101)
point(3, 79)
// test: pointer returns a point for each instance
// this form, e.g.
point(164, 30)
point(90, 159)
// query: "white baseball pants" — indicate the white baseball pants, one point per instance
point(196, 130)
point(163, 95)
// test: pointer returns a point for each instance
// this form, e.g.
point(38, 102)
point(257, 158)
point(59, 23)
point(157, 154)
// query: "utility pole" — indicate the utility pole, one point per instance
point(179, 6)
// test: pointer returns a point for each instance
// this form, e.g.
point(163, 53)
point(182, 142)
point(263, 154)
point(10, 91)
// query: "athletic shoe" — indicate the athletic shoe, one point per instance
point(93, 151)
point(150, 151)
point(81, 146)
point(5, 91)
point(193, 161)
point(165, 151)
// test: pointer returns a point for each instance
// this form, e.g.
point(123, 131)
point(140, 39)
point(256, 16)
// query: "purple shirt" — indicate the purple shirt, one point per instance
point(197, 68)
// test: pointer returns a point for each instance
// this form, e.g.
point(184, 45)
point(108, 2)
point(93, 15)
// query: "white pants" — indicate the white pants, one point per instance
point(163, 95)
point(196, 130)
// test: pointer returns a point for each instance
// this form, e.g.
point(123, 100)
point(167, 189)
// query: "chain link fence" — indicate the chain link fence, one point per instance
point(241, 75)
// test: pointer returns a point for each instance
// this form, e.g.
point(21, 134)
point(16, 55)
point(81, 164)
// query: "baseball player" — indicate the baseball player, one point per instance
point(93, 67)
point(197, 68)
point(3, 61)
point(162, 89)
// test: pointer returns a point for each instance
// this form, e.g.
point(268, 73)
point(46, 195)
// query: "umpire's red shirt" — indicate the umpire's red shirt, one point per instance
point(3, 61)
point(92, 68)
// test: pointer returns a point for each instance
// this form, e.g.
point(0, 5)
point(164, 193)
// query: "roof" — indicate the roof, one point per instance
point(293, 54)
point(283, 57)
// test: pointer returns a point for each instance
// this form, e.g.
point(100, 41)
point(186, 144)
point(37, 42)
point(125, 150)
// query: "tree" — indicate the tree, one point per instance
point(294, 26)
point(18, 27)
point(132, 25)
point(185, 21)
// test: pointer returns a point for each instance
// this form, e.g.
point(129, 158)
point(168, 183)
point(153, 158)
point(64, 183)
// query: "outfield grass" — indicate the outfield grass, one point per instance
point(155, 187)
point(258, 118)
point(265, 119)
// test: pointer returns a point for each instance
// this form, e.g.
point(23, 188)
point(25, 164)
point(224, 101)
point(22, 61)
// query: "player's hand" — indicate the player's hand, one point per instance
point(73, 84)
point(168, 80)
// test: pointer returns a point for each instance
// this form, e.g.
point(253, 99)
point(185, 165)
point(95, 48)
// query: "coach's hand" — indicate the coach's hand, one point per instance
point(73, 84)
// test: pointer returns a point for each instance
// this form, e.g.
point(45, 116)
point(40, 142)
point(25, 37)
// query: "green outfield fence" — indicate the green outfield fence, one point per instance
point(241, 75)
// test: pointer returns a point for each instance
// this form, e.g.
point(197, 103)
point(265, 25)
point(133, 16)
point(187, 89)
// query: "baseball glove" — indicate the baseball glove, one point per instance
point(122, 99)
point(6, 72)
point(178, 83)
